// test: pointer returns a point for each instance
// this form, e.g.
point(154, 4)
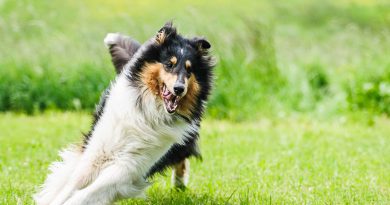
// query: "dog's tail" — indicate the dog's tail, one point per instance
point(122, 48)
point(60, 173)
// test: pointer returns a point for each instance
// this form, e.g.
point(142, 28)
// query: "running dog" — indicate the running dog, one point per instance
point(147, 120)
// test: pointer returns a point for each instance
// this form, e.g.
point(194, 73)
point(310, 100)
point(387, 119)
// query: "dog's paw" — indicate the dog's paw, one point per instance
point(111, 39)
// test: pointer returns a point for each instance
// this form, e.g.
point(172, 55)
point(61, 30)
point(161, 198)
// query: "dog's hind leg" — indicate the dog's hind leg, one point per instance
point(181, 174)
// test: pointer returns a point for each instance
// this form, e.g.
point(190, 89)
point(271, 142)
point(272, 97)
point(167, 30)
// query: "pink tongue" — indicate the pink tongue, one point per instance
point(166, 92)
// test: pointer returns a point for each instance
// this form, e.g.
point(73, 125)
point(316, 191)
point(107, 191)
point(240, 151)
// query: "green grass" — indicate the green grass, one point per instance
point(299, 113)
point(326, 56)
point(280, 159)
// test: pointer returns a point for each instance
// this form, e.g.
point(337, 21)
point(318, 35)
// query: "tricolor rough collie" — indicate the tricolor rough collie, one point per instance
point(147, 120)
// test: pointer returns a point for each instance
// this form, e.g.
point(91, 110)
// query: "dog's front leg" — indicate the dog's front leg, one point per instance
point(79, 178)
point(112, 182)
point(181, 174)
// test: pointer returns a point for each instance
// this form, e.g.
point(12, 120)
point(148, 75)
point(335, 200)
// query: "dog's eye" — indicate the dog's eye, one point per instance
point(169, 65)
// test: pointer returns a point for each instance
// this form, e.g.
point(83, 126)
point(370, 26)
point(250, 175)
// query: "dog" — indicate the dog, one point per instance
point(147, 120)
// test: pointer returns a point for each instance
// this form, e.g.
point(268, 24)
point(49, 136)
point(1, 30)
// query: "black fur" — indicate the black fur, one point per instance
point(96, 115)
point(177, 153)
point(152, 51)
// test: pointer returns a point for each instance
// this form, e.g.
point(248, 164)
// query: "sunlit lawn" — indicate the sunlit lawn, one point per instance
point(316, 58)
point(294, 159)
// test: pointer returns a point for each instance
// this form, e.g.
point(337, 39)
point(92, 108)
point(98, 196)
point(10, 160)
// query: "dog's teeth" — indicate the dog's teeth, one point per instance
point(170, 100)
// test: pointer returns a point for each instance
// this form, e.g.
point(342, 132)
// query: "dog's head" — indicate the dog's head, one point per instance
point(177, 70)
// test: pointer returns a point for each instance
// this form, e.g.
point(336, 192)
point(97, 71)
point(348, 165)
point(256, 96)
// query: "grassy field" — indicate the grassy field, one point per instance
point(274, 160)
point(299, 113)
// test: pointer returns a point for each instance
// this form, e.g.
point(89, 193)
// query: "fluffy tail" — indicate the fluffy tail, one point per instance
point(122, 48)
point(59, 175)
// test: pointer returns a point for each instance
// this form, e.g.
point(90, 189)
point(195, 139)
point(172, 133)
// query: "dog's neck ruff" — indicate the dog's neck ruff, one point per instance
point(135, 107)
point(124, 127)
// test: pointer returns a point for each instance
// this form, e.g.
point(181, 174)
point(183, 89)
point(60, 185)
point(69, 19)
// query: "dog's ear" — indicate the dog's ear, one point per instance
point(201, 44)
point(167, 31)
point(122, 49)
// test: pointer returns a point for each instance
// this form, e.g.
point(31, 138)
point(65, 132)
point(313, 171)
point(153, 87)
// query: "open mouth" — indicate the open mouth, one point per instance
point(170, 100)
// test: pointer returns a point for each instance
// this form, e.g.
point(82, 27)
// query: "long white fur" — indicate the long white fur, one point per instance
point(124, 145)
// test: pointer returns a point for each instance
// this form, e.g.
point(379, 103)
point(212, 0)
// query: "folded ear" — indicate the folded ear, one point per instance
point(201, 43)
point(165, 32)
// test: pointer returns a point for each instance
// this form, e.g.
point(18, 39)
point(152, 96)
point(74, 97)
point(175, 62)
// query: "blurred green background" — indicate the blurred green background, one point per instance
point(299, 114)
point(325, 57)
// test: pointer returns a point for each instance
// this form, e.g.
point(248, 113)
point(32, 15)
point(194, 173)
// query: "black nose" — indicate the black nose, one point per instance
point(178, 88)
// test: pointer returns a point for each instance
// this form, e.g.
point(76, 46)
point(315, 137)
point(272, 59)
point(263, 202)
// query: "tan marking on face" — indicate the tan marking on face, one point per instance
point(188, 64)
point(151, 77)
point(173, 60)
point(168, 79)
point(154, 75)
point(188, 102)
